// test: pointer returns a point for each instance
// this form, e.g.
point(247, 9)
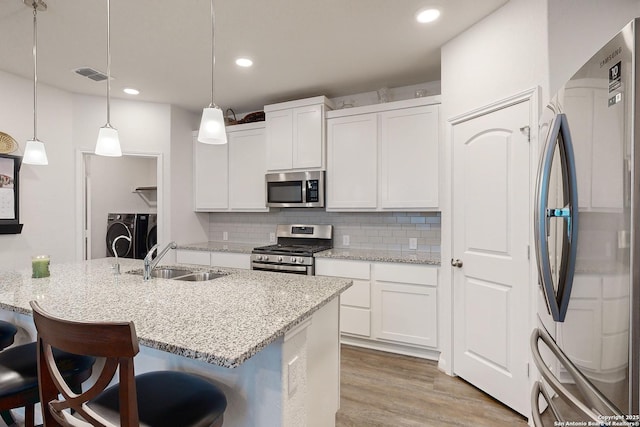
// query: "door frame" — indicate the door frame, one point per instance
point(83, 201)
point(531, 95)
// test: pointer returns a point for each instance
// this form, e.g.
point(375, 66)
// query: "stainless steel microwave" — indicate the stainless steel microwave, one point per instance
point(295, 189)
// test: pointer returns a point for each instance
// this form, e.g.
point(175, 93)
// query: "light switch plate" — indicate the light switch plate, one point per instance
point(345, 240)
point(225, 235)
point(272, 237)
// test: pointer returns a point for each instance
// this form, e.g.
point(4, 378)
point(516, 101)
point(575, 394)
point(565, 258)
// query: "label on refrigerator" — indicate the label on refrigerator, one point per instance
point(615, 99)
point(615, 77)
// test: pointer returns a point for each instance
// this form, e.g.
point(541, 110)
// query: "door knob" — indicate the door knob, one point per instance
point(456, 262)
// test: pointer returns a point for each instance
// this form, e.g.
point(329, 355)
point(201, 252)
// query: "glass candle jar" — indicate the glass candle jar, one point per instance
point(40, 266)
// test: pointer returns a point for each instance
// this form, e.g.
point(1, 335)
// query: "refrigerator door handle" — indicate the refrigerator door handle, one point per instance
point(557, 294)
point(598, 403)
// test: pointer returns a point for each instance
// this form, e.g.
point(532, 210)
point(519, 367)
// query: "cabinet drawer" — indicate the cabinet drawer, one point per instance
point(193, 257)
point(355, 321)
point(232, 260)
point(358, 295)
point(343, 268)
point(407, 273)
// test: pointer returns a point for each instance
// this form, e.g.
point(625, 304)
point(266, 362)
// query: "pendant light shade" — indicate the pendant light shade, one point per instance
point(108, 142)
point(212, 129)
point(34, 151)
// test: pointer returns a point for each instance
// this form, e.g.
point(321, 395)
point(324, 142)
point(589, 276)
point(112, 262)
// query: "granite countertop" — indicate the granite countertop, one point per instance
point(224, 321)
point(241, 248)
point(408, 257)
point(381, 256)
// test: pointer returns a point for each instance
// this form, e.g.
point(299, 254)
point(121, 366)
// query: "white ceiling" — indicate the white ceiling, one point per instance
point(300, 48)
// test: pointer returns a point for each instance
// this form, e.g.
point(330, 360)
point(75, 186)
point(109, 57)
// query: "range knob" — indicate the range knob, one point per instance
point(300, 260)
point(258, 257)
point(266, 258)
point(280, 259)
point(293, 260)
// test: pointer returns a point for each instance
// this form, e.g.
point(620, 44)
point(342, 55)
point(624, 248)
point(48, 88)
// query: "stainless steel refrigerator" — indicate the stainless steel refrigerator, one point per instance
point(586, 344)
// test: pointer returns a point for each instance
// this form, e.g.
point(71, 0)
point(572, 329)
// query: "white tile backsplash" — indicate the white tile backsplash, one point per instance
point(366, 230)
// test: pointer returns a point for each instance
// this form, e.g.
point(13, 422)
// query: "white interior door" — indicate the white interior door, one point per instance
point(491, 231)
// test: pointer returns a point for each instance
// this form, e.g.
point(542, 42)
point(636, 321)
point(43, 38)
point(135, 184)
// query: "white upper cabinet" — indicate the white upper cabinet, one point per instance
point(409, 150)
point(296, 135)
point(210, 176)
point(230, 177)
point(384, 156)
point(352, 162)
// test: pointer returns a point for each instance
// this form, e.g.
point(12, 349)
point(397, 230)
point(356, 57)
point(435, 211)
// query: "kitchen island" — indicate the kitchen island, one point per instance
point(269, 340)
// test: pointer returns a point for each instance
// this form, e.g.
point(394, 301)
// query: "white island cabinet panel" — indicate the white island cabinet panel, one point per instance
point(409, 158)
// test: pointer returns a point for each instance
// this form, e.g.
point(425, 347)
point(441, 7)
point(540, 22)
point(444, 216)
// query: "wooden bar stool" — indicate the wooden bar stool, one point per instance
point(155, 399)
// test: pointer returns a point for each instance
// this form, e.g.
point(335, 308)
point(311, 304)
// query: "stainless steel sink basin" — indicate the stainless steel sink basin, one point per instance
point(180, 273)
point(201, 276)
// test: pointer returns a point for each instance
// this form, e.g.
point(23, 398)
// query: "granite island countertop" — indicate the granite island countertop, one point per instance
point(224, 321)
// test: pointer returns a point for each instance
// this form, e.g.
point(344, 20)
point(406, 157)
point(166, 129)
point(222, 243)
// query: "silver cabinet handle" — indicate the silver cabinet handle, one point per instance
point(557, 294)
point(456, 263)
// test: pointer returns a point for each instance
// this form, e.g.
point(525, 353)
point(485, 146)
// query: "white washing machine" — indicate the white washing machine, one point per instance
point(121, 224)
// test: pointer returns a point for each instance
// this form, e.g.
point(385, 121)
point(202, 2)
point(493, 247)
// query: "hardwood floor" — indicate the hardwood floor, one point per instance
point(383, 389)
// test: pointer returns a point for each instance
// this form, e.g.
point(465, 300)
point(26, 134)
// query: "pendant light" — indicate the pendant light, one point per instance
point(212, 129)
point(34, 151)
point(108, 142)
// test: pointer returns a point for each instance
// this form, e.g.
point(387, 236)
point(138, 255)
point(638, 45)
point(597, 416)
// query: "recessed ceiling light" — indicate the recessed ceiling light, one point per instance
point(244, 62)
point(427, 15)
point(131, 91)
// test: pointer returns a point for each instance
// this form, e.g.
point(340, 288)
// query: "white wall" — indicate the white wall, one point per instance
point(112, 181)
point(47, 193)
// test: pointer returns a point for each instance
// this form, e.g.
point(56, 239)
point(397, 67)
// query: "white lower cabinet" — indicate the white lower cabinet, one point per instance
point(389, 305)
point(405, 303)
point(214, 259)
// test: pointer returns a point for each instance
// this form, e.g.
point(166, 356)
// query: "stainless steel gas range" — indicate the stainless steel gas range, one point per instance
point(293, 252)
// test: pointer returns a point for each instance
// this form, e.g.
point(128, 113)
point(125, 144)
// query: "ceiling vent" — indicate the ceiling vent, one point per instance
point(92, 74)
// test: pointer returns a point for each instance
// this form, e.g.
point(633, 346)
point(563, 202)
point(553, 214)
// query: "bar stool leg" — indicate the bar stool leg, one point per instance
point(7, 418)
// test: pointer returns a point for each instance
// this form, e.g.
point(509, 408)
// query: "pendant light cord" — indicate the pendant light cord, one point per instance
point(213, 52)
point(35, 71)
point(108, 63)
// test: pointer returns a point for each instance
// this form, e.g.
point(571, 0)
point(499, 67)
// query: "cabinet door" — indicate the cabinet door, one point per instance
point(210, 176)
point(409, 158)
point(279, 139)
point(352, 162)
point(308, 137)
point(247, 167)
point(405, 304)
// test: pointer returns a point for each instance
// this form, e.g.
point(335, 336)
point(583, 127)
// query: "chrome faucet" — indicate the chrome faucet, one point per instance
point(116, 266)
point(150, 263)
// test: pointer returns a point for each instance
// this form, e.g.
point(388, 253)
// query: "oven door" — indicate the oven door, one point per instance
point(283, 268)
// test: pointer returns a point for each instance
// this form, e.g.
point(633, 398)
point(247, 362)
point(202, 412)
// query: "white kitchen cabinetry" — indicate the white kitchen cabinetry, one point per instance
point(296, 134)
point(214, 259)
point(355, 302)
point(230, 177)
point(405, 304)
point(384, 156)
point(390, 306)
point(600, 168)
point(352, 162)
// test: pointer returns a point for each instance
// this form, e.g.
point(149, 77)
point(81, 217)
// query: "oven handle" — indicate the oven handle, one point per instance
point(277, 267)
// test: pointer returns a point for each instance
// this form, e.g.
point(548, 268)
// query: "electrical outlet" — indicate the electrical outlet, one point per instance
point(345, 240)
point(272, 237)
point(413, 243)
point(225, 235)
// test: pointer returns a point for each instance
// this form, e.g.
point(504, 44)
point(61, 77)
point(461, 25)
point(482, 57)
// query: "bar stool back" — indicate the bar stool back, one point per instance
point(155, 399)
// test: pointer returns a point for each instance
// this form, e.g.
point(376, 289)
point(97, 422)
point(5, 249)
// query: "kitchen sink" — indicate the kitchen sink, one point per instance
point(180, 273)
